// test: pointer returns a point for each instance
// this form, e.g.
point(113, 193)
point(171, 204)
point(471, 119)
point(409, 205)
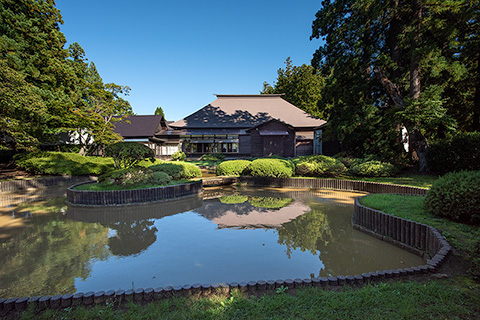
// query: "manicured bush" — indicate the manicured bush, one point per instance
point(127, 177)
point(213, 157)
point(128, 154)
point(160, 178)
point(461, 152)
point(178, 170)
point(456, 196)
point(373, 168)
point(179, 156)
point(278, 168)
point(318, 166)
point(232, 167)
point(63, 163)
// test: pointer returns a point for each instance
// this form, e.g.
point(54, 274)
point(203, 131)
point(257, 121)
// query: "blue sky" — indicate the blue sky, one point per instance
point(177, 54)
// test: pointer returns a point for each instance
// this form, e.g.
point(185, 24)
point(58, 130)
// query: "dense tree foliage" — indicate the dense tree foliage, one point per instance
point(128, 154)
point(159, 111)
point(45, 89)
point(398, 64)
point(302, 86)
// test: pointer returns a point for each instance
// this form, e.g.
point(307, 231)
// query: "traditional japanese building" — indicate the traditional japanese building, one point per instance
point(234, 125)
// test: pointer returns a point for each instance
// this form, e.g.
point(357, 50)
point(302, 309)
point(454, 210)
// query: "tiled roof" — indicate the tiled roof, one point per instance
point(245, 111)
point(139, 126)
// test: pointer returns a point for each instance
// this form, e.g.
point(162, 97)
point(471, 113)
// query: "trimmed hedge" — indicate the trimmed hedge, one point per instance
point(213, 157)
point(127, 177)
point(63, 163)
point(462, 152)
point(277, 168)
point(318, 166)
point(456, 196)
point(373, 168)
point(178, 170)
point(232, 167)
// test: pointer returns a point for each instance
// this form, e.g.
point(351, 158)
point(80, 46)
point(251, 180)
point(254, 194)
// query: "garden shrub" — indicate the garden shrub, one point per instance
point(318, 166)
point(456, 196)
point(179, 156)
point(178, 170)
point(373, 168)
point(213, 157)
point(232, 167)
point(128, 154)
point(127, 177)
point(160, 178)
point(278, 168)
point(63, 163)
point(461, 152)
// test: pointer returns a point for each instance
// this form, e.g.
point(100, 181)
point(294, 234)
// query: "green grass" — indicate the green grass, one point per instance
point(111, 187)
point(447, 299)
point(460, 235)
point(414, 180)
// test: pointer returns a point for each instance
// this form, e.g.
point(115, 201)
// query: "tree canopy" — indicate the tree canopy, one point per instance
point(159, 111)
point(302, 86)
point(398, 64)
point(46, 89)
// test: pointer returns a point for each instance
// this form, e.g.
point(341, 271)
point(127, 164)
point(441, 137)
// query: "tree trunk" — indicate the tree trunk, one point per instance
point(418, 142)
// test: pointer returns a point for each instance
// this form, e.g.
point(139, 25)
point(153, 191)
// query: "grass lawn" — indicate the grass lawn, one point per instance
point(447, 299)
point(414, 180)
point(461, 236)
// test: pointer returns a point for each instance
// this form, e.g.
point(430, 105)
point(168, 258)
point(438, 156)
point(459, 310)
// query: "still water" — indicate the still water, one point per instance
point(229, 234)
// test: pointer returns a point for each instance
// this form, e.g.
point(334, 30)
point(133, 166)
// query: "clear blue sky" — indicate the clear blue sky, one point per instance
point(177, 54)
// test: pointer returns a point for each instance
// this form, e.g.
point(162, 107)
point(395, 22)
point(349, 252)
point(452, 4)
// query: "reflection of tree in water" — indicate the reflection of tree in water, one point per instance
point(48, 255)
point(132, 237)
point(307, 232)
point(269, 202)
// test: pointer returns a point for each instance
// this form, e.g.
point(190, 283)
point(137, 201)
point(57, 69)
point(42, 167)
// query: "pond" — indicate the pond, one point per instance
point(228, 235)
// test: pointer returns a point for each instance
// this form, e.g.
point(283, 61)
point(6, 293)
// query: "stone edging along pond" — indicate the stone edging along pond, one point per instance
point(134, 196)
point(415, 237)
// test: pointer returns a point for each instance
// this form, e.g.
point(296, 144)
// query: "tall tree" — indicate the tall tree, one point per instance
point(46, 89)
point(31, 50)
point(388, 62)
point(301, 85)
point(159, 111)
point(99, 106)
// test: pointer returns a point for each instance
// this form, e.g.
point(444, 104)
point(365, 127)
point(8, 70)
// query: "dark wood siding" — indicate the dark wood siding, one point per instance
point(267, 145)
point(244, 144)
point(304, 148)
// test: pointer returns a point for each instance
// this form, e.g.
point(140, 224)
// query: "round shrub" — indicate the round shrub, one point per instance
point(277, 168)
point(318, 166)
point(232, 167)
point(160, 178)
point(127, 177)
point(456, 196)
point(373, 168)
point(213, 157)
point(179, 156)
point(178, 170)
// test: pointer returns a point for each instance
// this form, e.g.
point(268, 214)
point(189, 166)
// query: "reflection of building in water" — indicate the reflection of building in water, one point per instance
point(246, 215)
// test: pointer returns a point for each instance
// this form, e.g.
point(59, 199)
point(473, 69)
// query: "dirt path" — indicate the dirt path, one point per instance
point(10, 171)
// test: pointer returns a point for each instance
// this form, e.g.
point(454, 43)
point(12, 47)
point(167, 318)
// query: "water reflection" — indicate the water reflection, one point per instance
point(231, 234)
